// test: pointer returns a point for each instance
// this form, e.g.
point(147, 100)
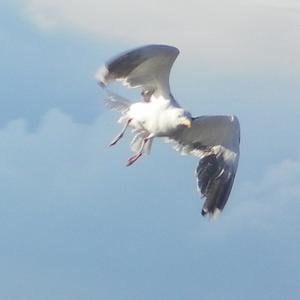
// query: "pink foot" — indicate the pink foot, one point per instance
point(133, 159)
point(119, 136)
point(115, 140)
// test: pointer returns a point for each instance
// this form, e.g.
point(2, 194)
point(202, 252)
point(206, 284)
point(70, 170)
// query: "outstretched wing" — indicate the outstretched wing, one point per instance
point(147, 67)
point(215, 140)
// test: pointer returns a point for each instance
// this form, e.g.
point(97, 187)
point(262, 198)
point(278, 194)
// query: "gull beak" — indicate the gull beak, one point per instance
point(187, 123)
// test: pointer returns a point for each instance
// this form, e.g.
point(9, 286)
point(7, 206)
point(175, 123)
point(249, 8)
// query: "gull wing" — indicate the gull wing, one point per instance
point(215, 140)
point(146, 67)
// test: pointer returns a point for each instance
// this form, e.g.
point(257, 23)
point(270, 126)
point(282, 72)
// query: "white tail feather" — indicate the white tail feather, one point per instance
point(137, 142)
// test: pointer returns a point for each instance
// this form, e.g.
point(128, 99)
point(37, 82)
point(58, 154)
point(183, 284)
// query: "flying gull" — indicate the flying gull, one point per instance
point(213, 139)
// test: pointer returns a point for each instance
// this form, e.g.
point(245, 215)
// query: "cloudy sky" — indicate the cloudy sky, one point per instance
point(77, 224)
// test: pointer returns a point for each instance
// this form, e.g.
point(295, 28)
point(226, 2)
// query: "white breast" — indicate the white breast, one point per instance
point(150, 116)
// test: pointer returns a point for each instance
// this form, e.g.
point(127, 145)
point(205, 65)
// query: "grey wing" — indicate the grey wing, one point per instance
point(215, 140)
point(147, 67)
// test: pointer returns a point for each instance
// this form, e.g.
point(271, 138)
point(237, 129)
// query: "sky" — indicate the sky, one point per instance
point(77, 224)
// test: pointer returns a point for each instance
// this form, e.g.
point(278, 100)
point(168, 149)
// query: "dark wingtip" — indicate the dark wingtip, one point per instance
point(101, 84)
point(214, 214)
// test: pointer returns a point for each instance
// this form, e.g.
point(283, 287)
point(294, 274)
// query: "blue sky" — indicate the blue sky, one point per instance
point(77, 224)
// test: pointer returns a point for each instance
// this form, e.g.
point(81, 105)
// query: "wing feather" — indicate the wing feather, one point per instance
point(215, 140)
point(147, 67)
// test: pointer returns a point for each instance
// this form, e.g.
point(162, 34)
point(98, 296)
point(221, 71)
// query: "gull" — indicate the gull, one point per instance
point(213, 139)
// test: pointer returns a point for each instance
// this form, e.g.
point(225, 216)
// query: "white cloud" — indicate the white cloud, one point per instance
point(224, 34)
point(61, 160)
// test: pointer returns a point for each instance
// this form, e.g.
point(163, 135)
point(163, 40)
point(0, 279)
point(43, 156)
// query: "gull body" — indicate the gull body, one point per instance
point(213, 139)
point(158, 118)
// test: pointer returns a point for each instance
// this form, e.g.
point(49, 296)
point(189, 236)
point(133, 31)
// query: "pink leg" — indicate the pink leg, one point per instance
point(135, 157)
point(120, 135)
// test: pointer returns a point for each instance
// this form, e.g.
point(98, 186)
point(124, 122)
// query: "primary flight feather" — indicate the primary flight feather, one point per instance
point(213, 139)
